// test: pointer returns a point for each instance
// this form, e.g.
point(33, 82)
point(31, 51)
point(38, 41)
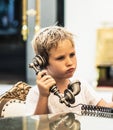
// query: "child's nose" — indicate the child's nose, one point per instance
point(69, 61)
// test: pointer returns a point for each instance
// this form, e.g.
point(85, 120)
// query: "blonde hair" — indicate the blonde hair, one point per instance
point(48, 38)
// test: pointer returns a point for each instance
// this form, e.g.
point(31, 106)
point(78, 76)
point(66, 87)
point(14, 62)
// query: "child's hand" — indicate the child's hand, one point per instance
point(44, 82)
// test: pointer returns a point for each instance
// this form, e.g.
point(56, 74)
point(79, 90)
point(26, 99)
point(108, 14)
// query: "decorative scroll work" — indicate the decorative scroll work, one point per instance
point(16, 95)
point(18, 91)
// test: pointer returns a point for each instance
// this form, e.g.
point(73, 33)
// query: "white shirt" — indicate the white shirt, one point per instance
point(86, 96)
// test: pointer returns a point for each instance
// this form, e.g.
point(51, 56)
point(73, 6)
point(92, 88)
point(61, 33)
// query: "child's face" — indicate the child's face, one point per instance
point(62, 60)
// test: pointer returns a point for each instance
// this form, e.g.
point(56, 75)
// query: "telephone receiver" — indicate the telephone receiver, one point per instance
point(73, 89)
point(38, 63)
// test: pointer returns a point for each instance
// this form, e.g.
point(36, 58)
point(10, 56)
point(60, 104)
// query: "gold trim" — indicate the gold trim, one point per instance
point(24, 31)
point(18, 91)
point(37, 20)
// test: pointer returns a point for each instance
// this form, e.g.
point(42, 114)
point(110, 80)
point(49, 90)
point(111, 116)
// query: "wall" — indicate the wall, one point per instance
point(83, 18)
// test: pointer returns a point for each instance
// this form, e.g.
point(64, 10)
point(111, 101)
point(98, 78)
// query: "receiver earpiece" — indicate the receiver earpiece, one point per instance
point(38, 63)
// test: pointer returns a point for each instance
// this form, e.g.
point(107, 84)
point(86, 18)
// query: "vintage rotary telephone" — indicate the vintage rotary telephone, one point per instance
point(69, 94)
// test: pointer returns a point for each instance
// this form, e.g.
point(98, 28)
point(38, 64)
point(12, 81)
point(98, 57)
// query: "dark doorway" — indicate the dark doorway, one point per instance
point(60, 12)
point(12, 47)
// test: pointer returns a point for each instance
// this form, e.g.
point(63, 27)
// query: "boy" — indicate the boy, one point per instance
point(56, 45)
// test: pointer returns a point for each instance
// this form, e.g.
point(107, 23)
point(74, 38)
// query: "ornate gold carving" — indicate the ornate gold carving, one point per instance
point(18, 91)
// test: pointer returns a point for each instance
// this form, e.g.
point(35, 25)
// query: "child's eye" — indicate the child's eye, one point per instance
point(72, 54)
point(60, 58)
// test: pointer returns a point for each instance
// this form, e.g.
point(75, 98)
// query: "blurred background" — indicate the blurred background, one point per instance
point(19, 21)
point(90, 21)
